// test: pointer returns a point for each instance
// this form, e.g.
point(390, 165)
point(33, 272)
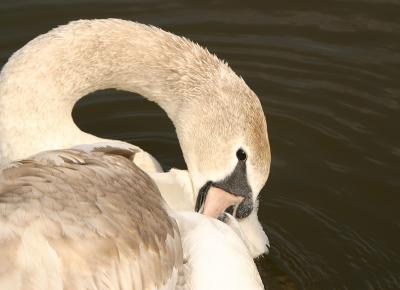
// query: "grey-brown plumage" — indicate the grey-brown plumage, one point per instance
point(76, 220)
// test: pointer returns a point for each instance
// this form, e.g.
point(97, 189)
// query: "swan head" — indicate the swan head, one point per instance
point(225, 144)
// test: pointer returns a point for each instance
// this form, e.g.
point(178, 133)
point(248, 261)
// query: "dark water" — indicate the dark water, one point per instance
point(327, 73)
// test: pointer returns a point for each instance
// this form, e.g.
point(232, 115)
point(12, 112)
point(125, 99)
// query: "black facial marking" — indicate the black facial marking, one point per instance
point(237, 184)
point(201, 197)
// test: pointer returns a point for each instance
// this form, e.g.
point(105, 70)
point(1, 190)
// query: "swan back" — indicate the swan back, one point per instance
point(73, 220)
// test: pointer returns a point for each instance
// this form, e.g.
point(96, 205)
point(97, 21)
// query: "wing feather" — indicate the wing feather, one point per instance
point(92, 219)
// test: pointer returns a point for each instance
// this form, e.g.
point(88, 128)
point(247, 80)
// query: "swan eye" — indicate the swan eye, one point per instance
point(241, 155)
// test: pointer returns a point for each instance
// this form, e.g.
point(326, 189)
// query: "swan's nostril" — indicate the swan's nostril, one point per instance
point(230, 210)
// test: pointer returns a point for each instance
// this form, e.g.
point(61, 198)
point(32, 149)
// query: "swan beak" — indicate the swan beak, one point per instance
point(215, 201)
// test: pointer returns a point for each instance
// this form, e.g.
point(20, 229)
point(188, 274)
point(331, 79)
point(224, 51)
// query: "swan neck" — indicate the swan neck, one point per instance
point(42, 81)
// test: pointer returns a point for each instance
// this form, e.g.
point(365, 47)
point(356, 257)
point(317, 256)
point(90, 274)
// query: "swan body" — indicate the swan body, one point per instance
point(72, 220)
point(220, 125)
point(77, 220)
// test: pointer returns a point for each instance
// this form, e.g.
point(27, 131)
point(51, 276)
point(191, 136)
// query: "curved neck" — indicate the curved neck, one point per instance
point(42, 81)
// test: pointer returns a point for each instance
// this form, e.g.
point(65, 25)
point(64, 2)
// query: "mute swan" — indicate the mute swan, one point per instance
point(76, 220)
point(219, 120)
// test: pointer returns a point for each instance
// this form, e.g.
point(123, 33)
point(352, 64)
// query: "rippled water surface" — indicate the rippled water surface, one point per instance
point(327, 73)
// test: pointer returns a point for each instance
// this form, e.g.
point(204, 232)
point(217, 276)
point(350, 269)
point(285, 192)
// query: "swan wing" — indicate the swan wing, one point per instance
point(142, 159)
point(76, 220)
